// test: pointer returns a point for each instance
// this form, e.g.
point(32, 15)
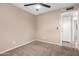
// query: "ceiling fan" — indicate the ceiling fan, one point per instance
point(41, 4)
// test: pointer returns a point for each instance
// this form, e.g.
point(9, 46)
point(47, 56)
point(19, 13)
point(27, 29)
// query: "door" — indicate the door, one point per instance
point(67, 27)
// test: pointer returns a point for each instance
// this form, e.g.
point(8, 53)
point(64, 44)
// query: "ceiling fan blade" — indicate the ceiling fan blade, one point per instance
point(29, 4)
point(45, 5)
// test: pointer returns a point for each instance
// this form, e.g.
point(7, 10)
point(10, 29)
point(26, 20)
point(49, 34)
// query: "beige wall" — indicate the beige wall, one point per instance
point(17, 27)
point(47, 24)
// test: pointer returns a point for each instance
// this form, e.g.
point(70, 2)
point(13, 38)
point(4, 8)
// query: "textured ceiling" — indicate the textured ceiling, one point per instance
point(32, 9)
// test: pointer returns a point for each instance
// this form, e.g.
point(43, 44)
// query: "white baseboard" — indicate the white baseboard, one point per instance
point(15, 47)
point(48, 42)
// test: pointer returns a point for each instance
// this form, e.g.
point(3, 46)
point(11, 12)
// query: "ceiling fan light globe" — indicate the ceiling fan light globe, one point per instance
point(37, 6)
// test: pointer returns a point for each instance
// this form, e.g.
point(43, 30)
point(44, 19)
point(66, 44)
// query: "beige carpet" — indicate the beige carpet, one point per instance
point(37, 48)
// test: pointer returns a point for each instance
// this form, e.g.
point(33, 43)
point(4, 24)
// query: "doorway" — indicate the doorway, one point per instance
point(69, 29)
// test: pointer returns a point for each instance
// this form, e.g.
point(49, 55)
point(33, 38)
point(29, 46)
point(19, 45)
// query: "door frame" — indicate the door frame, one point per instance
point(76, 11)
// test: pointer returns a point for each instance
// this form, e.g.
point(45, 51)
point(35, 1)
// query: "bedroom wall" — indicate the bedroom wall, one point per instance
point(17, 27)
point(47, 26)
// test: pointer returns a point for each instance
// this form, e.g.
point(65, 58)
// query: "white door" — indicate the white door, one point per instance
point(67, 27)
